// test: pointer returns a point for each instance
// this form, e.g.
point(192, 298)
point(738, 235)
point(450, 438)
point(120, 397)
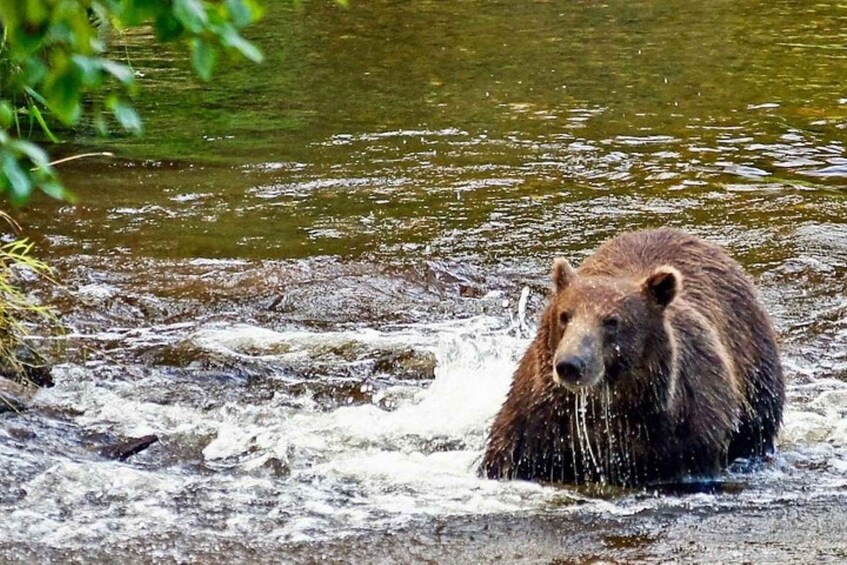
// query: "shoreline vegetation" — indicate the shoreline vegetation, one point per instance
point(59, 71)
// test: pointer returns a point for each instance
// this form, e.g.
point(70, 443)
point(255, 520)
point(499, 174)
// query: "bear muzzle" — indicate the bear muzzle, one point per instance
point(571, 370)
point(578, 369)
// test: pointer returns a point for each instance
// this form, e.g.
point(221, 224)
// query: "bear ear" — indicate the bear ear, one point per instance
point(563, 273)
point(663, 285)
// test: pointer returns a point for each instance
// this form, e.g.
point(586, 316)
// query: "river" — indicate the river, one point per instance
point(306, 280)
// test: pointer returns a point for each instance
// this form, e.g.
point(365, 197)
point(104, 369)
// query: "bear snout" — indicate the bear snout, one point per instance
point(577, 363)
point(571, 370)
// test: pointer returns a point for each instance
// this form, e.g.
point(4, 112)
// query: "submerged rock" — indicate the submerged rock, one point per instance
point(30, 368)
point(14, 397)
point(129, 447)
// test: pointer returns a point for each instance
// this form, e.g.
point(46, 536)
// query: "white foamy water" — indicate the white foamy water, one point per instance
point(322, 473)
point(286, 469)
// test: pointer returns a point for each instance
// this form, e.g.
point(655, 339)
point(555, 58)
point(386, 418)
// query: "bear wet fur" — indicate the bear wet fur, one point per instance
point(653, 361)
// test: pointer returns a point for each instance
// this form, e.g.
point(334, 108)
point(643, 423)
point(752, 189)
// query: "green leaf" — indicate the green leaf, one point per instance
point(257, 9)
point(121, 72)
point(34, 70)
point(36, 113)
point(125, 114)
point(55, 190)
point(192, 14)
point(35, 11)
point(19, 181)
point(242, 13)
point(128, 117)
point(168, 28)
point(203, 57)
point(40, 99)
point(232, 39)
point(64, 96)
point(35, 153)
point(89, 68)
point(101, 15)
point(6, 114)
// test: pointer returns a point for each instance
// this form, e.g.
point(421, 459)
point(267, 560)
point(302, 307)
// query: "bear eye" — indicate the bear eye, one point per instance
point(564, 318)
point(611, 324)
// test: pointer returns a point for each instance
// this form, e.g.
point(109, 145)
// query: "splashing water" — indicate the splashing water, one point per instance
point(521, 327)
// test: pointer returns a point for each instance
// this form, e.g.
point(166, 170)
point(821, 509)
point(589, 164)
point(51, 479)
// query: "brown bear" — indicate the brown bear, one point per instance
point(654, 361)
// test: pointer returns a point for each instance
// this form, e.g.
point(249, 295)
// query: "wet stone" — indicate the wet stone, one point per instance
point(330, 395)
point(21, 434)
point(406, 364)
point(270, 465)
point(127, 448)
point(178, 449)
point(470, 291)
point(10, 403)
point(14, 397)
point(309, 361)
point(33, 369)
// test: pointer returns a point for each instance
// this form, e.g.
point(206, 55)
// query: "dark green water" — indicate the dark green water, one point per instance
point(386, 128)
point(272, 276)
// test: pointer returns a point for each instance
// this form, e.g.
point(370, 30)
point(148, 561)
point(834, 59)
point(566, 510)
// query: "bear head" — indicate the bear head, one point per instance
point(601, 328)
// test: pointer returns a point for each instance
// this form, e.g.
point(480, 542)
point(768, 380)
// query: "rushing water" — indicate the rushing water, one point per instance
point(313, 279)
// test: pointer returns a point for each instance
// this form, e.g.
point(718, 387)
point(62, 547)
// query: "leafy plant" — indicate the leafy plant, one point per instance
point(54, 59)
point(18, 313)
point(56, 69)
